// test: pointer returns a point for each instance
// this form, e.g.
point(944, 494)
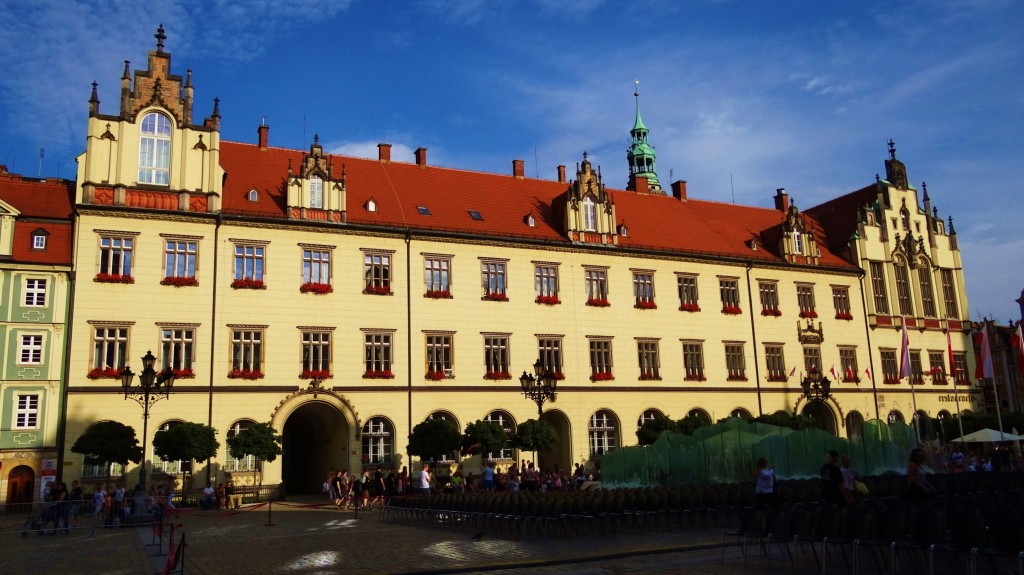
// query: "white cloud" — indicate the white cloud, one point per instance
point(368, 149)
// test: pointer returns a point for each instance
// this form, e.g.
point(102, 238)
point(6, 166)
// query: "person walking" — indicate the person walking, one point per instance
point(99, 495)
point(75, 500)
point(764, 491)
point(425, 479)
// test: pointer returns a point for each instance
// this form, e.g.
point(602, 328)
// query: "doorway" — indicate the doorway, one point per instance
point(21, 485)
point(315, 440)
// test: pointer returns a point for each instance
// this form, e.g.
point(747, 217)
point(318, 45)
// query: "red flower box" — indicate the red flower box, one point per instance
point(732, 310)
point(548, 300)
point(497, 375)
point(559, 375)
point(649, 377)
point(316, 374)
point(601, 377)
point(735, 378)
point(695, 378)
point(598, 302)
point(847, 316)
point(245, 374)
point(186, 373)
point(316, 288)
point(851, 379)
point(247, 283)
point(384, 374)
point(891, 380)
point(377, 290)
point(645, 304)
point(495, 297)
point(104, 373)
point(179, 281)
point(113, 279)
point(690, 307)
point(772, 311)
point(438, 294)
point(777, 378)
point(809, 313)
point(434, 375)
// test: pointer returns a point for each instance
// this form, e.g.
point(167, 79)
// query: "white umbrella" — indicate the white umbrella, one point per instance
point(988, 436)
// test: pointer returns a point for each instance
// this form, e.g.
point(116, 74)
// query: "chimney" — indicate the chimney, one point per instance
point(384, 152)
point(3, 170)
point(264, 133)
point(781, 200)
point(679, 190)
point(641, 184)
point(561, 174)
point(421, 157)
point(518, 169)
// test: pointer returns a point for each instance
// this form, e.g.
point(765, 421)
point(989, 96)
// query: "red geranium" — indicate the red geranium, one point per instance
point(691, 307)
point(316, 288)
point(844, 315)
point(548, 299)
point(179, 281)
point(316, 374)
point(772, 311)
point(732, 310)
point(434, 375)
point(598, 302)
point(495, 297)
point(383, 374)
point(245, 374)
point(497, 375)
point(186, 373)
point(114, 278)
point(377, 290)
point(808, 313)
point(104, 373)
point(602, 376)
point(248, 283)
point(438, 294)
point(645, 304)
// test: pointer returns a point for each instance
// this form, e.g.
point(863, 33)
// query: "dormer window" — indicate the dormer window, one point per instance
point(798, 242)
point(589, 214)
point(155, 149)
point(623, 231)
point(39, 239)
point(253, 195)
point(371, 205)
point(316, 192)
point(531, 221)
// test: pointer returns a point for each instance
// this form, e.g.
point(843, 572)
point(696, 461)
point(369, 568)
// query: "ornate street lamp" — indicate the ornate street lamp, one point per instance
point(153, 386)
point(541, 386)
point(816, 387)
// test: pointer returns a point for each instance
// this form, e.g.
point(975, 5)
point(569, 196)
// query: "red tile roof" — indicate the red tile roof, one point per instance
point(46, 205)
point(660, 223)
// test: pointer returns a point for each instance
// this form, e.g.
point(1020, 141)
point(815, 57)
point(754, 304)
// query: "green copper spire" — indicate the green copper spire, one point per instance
point(641, 155)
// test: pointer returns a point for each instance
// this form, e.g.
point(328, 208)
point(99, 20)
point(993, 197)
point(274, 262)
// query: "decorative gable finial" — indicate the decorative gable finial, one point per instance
point(160, 37)
point(924, 188)
point(94, 101)
point(216, 108)
point(127, 74)
point(316, 139)
point(892, 149)
point(952, 230)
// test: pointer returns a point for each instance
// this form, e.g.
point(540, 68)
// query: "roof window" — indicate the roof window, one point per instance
point(476, 215)
point(423, 210)
point(253, 195)
point(371, 205)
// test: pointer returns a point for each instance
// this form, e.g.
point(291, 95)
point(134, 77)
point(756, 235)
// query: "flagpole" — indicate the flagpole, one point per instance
point(988, 374)
point(909, 371)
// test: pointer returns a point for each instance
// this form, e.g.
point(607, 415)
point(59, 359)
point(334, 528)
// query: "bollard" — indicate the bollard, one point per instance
point(270, 505)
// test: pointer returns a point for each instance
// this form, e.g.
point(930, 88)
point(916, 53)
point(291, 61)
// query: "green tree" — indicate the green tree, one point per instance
point(691, 423)
point(258, 440)
point(784, 419)
point(484, 437)
point(108, 442)
point(534, 435)
point(433, 438)
point(652, 429)
point(186, 441)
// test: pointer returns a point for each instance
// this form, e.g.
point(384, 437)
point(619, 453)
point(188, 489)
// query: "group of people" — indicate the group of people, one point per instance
point(520, 476)
point(221, 497)
point(363, 491)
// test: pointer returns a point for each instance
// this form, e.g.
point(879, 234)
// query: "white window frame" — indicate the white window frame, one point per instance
point(110, 341)
point(180, 258)
point(603, 433)
point(30, 350)
point(316, 192)
point(505, 420)
point(39, 242)
point(155, 149)
point(26, 411)
point(116, 255)
point(437, 272)
point(377, 351)
point(378, 441)
point(35, 292)
point(316, 350)
point(178, 347)
point(247, 349)
point(250, 261)
point(589, 214)
point(316, 265)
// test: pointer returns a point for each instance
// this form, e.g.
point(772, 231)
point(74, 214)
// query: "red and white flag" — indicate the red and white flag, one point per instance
point(832, 370)
point(905, 368)
point(792, 372)
point(867, 372)
point(850, 376)
point(1018, 342)
point(983, 368)
point(949, 349)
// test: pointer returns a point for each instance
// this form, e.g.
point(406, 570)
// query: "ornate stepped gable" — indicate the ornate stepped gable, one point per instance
point(590, 211)
point(313, 193)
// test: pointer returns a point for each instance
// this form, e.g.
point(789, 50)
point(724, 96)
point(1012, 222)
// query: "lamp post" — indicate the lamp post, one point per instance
point(540, 386)
point(815, 386)
point(153, 386)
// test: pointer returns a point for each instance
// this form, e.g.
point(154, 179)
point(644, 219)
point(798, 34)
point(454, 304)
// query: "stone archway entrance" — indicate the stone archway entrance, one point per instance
point(21, 485)
point(315, 440)
point(561, 453)
point(822, 414)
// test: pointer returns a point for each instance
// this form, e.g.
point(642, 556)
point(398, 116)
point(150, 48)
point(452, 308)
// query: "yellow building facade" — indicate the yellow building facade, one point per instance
point(346, 300)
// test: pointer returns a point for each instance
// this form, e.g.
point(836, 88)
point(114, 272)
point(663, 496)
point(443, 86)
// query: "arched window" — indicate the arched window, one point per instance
point(253, 195)
point(167, 467)
point(155, 149)
point(248, 463)
point(895, 416)
point(903, 294)
point(854, 426)
point(798, 243)
point(741, 413)
point(648, 415)
point(316, 192)
point(700, 413)
point(506, 422)
point(589, 214)
point(924, 276)
point(378, 442)
point(100, 471)
point(449, 417)
point(603, 433)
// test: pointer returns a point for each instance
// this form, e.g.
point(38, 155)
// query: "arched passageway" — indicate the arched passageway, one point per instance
point(316, 440)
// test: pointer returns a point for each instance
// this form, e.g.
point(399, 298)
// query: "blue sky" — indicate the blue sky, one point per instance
point(741, 97)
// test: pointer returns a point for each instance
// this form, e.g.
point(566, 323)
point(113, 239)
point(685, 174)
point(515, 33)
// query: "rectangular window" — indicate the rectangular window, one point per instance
point(693, 360)
point(26, 411)
point(916, 370)
point(39, 242)
point(180, 258)
point(890, 368)
point(730, 292)
point(249, 262)
point(316, 353)
point(439, 356)
point(848, 363)
point(178, 348)
point(377, 273)
point(596, 282)
point(688, 293)
point(436, 276)
point(494, 280)
point(377, 355)
point(769, 298)
point(775, 362)
point(734, 362)
point(949, 294)
point(545, 283)
point(35, 293)
point(643, 289)
point(496, 357)
point(878, 288)
point(110, 347)
point(937, 367)
point(31, 350)
point(316, 266)
point(549, 351)
point(116, 255)
point(247, 350)
point(647, 352)
point(841, 301)
point(812, 359)
point(805, 299)
point(924, 276)
point(601, 359)
point(903, 290)
point(960, 374)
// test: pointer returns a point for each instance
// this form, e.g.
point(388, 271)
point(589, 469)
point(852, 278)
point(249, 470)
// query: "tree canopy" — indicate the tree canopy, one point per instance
point(258, 440)
point(484, 437)
point(186, 441)
point(649, 432)
point(786, 419)
point(433, 438)
point(107, 442)
point(534, 435)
